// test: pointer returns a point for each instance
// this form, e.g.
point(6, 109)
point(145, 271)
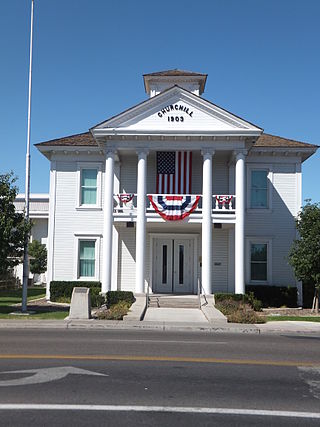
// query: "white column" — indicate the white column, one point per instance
point(239, 227)
point(108, 222)
point(207, 221)
point(141, 220)
point(115, 234)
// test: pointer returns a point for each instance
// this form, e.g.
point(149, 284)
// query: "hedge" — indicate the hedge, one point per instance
point(113, 297)
point(274, 296)
point(63, 289)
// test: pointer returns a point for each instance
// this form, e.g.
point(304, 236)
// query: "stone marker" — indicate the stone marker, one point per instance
point(80, 307)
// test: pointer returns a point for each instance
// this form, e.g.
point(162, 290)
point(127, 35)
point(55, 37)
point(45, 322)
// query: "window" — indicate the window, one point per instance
point(89, 186)
point(259, 189)
point(259, 262)
point(87, 258)
point(89, 183)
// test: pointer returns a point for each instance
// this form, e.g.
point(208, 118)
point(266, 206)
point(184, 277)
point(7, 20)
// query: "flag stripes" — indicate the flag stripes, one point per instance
point(174, 172)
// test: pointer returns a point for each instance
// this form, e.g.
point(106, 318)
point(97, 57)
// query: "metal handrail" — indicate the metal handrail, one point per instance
point(200, 292)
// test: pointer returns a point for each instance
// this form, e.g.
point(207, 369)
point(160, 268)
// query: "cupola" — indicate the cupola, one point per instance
point(155, 83)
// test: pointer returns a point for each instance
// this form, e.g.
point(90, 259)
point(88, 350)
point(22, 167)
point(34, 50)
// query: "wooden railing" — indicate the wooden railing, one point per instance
point(127, 203)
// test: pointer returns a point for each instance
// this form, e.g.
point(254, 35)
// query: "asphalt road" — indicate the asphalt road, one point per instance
point(158, 378)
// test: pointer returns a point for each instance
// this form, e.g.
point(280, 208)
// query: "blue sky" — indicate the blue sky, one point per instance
point(262, 60)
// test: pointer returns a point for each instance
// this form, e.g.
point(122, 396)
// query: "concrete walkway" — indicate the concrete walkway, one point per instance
point(189, 315)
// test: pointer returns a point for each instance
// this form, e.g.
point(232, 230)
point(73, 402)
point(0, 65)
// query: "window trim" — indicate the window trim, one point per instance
point(89, 165)
point(89, 237)
point(260, 167)
point(259, 241)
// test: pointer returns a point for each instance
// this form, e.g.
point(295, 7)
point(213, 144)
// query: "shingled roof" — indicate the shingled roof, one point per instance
point(267, 140)
point(175, 72)
point(86, 140)
point(79, 140)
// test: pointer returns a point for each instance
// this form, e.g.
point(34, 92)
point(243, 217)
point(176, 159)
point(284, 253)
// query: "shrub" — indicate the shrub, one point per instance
point(246, 298)
point(234, 297)
point(97, 300)
point(274, 296)
point(245, 315)
point(115, 312)
point(113, 297)
point(62, 290)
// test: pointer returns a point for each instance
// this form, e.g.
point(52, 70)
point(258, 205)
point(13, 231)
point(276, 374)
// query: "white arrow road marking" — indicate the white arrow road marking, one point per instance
point(311, 375)
point(45, 375)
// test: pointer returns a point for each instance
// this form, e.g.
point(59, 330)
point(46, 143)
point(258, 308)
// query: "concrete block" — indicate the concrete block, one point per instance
point(80, 307)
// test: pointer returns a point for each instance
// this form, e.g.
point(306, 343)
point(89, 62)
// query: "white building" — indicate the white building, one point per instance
point(110, 217)
point(39, 215)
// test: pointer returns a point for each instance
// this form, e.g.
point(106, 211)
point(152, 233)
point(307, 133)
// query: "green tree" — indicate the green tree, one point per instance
point(14, 229)
point(304, 255)
point(38, 254)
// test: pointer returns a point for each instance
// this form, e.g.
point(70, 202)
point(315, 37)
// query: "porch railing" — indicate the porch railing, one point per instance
point(126, 203)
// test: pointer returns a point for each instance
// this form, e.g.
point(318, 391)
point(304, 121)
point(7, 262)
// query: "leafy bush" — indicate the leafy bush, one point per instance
point(245, 315)
point(274, 296)
point(38, 254)
point(246, 298)
point(113, 297)
point(62, 290)
point(115, 312)
point(238, 310)
point(97, 300)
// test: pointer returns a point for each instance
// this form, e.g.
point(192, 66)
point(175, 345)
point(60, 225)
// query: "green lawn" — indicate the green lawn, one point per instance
point(294, 318)
point(8, 299)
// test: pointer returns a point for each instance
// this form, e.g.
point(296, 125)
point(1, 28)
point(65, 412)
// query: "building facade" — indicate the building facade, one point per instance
point(172, 193)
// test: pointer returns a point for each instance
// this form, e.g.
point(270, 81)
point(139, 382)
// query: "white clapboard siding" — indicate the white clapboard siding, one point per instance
point(278, 223)
point(220, 173)
point(126, 259)
point(128, 173)
point(70, 222)
point(220, 255)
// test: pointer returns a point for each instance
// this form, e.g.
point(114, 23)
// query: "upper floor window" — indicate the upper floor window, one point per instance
point(89, 186)
point(259, 189)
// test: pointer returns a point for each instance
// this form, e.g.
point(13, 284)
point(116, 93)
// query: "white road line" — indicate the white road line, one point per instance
point(165, 341)
point(174, 409)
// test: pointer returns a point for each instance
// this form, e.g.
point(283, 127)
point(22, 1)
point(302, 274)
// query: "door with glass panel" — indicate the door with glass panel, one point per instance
point(173, 265)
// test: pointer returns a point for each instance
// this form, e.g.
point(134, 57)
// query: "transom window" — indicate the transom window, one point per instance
point(259, 262)
point(87, 258)
point(89, 186)
point(259, 189)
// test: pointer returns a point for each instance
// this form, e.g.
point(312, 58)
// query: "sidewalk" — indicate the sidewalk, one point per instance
point(280, 327)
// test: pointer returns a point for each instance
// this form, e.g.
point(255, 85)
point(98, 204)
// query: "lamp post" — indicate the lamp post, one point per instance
point(27, 183)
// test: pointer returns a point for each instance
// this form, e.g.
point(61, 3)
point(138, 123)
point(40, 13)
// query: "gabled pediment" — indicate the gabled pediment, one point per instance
point(176, 111)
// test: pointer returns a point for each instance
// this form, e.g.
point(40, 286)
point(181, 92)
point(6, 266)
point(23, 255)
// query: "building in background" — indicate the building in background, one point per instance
point(39, 215)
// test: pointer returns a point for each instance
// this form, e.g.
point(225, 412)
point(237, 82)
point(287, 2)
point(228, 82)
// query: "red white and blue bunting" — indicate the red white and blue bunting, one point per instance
point(125, 198)
point(174, 208)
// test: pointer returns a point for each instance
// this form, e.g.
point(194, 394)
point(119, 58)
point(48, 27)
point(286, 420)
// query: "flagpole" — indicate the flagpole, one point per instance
point(27, 183)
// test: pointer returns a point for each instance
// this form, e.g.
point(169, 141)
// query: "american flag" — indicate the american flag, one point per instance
point(174, 172)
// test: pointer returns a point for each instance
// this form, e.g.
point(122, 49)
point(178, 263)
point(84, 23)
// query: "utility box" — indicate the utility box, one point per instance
point(80, 307)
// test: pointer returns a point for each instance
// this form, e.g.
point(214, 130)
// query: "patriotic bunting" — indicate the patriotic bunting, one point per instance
point(125, 197)
point(174, 208)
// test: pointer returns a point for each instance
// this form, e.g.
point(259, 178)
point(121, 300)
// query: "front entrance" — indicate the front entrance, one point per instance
point(173, 265)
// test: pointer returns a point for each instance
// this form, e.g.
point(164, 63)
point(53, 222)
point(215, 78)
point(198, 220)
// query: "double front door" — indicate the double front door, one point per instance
point(173, 265)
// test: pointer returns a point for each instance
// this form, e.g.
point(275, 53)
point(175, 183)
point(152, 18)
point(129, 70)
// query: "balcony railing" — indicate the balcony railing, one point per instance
point(126, 204)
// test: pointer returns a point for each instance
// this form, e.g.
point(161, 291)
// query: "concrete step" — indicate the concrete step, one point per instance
point(173, 301)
